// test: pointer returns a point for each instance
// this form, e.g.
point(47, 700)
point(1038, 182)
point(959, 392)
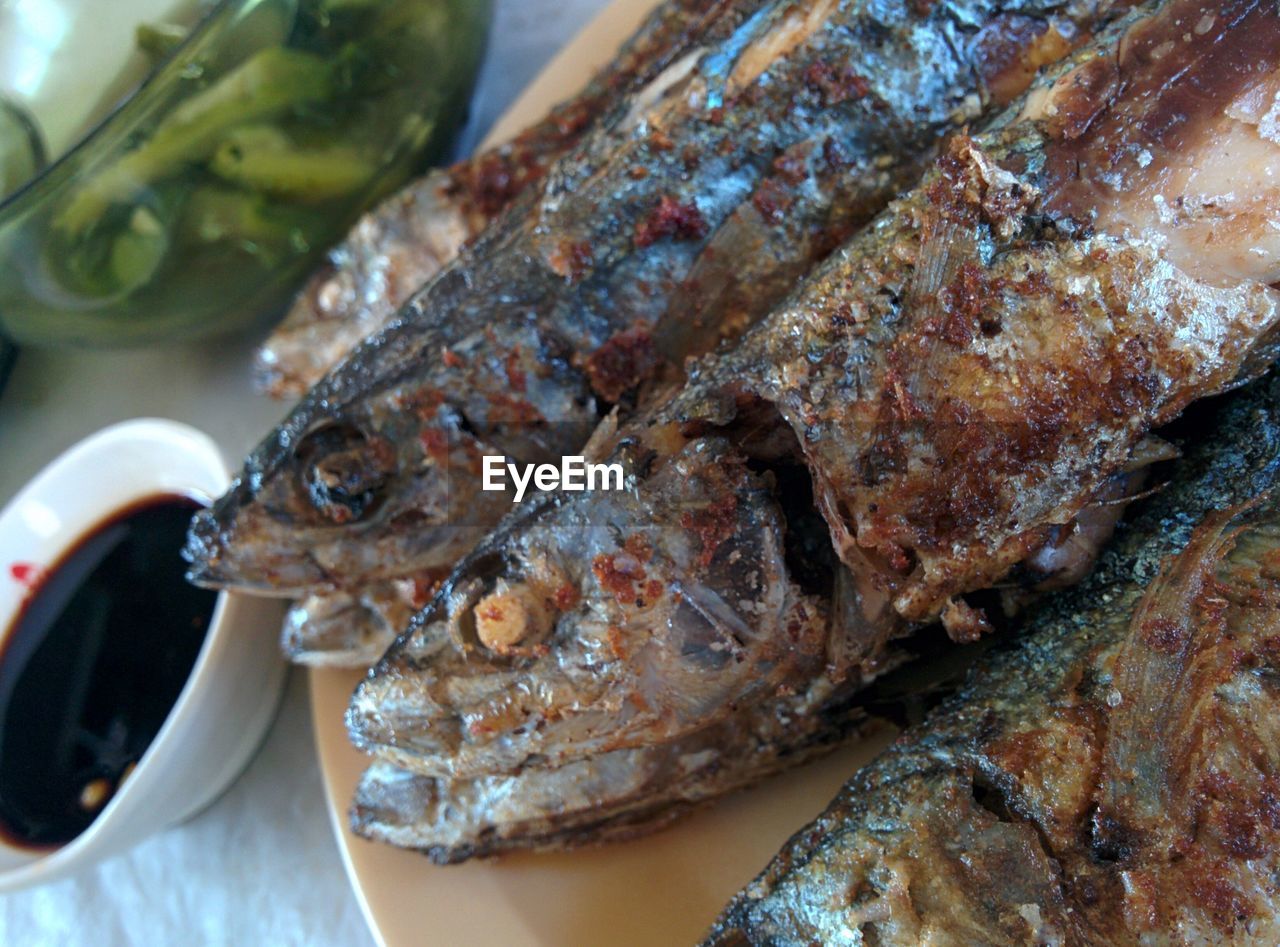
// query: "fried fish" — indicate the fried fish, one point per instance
point(944, 406)
point(660, 234)
point(1108, 778)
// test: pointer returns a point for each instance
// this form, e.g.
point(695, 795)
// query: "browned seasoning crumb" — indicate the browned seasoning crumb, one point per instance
point(671, 219)
point(1164, 635)
point(836, 83)
point(619, 576)
point(791, 167)
point(660, 140)
point(423, 403)
point(772, 200)
point(624, 361)
point(516, 377)
point(511, 410)
point(566, 597)
point(572, 259)
point(964, 623)
point(435, 443)
point(638, 545)
point(968, 306)
point(494, 180)
point(713, 524)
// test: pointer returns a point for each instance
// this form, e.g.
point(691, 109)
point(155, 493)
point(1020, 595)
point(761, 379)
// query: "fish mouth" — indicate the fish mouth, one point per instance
point(204, 552)
point(237, 545)
point(218, 561)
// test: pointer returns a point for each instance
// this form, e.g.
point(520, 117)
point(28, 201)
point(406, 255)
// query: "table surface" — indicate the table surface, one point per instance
point(260, 866)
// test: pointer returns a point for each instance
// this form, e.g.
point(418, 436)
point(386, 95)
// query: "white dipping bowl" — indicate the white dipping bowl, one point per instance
point(232, 693)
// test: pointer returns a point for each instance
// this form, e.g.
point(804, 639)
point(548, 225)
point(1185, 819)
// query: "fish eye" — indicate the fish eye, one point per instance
point(343, 471)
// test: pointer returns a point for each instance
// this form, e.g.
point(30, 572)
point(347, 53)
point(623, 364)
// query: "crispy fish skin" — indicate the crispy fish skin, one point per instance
point(647, 615)
point(520, 345)
point(1105, 778)
point(396, 248)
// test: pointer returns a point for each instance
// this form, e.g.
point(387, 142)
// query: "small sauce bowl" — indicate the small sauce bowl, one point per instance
point(231, 694)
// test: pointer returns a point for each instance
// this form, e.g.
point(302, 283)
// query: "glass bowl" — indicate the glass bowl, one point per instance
point(204, 198)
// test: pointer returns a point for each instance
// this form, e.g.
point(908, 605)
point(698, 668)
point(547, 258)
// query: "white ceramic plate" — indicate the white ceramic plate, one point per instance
point(665, 889)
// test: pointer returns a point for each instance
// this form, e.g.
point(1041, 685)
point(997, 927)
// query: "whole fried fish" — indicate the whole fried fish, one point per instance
point(739, 166)
point(396, 248)
point(948, 394)
point(1109, 778)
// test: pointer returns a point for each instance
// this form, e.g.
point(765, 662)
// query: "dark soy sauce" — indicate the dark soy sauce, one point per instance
point(92, 666)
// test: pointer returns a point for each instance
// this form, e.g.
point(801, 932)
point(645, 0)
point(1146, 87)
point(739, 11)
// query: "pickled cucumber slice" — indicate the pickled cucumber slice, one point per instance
point(261, 158)
point(139, 250)
point(224, 214)
point(124, 251)
point(263, 86)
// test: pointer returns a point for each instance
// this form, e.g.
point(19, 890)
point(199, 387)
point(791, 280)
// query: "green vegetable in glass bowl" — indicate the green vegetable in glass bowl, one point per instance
point(203, 200)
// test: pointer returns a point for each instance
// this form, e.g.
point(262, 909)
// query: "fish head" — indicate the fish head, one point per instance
point(380, 487)
point(379, 471)
point(596, 621)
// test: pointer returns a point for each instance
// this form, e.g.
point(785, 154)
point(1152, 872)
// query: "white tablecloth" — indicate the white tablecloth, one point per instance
point(260, 866)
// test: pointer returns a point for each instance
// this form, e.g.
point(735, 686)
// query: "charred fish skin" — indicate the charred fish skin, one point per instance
point(397, 247)
point(1102, 778)
point(647, 615)
point(519, 344)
